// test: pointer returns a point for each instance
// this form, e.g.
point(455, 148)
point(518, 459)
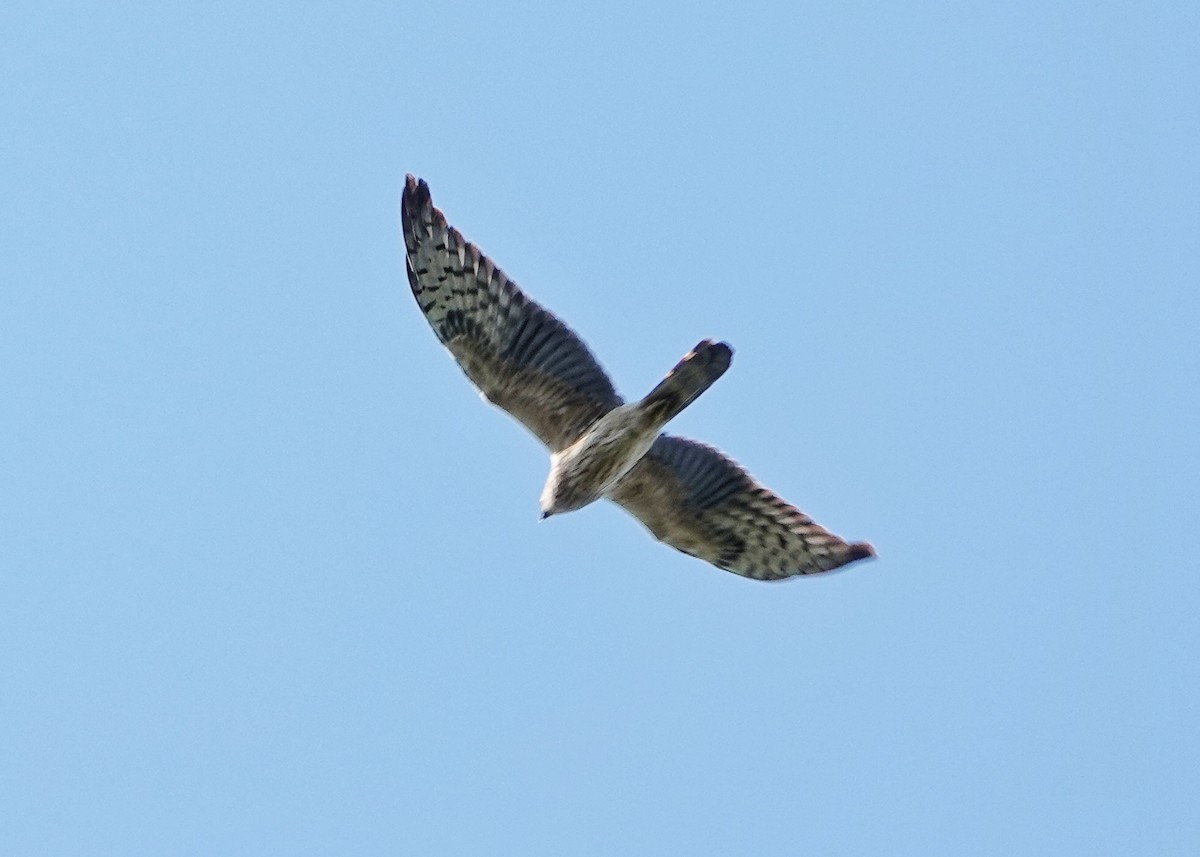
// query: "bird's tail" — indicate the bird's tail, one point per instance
point(694, 374)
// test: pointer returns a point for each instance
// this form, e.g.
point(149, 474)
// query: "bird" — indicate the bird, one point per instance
point(526, 361)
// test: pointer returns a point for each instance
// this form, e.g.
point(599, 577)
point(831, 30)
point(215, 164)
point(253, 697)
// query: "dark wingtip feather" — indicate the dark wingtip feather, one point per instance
point(415, 186)
point(416, 196)
point(860, 550)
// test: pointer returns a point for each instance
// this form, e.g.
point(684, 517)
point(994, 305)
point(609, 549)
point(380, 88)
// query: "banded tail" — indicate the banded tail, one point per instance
point(694, 374)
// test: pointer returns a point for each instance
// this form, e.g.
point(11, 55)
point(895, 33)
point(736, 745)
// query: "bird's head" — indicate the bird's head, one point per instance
point(552, 504)
point(561, 496)
point(549, 499)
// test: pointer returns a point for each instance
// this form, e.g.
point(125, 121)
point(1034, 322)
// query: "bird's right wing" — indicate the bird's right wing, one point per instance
point(519, 355)
point(695, 499)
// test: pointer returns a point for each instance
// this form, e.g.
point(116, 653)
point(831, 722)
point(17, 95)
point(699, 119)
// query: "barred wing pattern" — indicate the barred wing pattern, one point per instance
point(519, 355)
point(692, 497)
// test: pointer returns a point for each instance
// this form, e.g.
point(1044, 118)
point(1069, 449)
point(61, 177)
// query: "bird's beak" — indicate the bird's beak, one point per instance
point(545, 515)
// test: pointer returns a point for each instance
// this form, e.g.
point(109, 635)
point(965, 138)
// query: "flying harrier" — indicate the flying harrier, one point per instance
point(527, 362)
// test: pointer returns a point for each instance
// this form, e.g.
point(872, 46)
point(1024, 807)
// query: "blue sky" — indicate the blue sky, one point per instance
point(271, 575)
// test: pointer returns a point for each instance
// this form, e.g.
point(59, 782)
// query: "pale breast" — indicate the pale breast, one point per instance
point(594, 464)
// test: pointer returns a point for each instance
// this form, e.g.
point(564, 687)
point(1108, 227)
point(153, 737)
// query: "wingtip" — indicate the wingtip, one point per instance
point(861, 550)
point(416, 193)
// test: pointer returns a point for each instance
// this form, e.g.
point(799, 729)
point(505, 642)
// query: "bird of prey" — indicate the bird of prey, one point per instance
point(524, 360)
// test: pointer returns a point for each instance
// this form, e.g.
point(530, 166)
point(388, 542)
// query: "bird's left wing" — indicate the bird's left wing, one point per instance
point(518, 354)
point(692, 497)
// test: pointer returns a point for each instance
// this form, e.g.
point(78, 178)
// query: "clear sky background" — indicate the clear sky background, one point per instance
point(271, 575)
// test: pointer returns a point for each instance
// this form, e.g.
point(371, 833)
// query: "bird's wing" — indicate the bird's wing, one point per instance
point(519, 355)
point(692, 497)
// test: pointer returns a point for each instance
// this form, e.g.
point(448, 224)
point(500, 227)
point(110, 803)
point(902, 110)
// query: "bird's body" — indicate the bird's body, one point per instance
point(593, 466)
point(527, 362)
